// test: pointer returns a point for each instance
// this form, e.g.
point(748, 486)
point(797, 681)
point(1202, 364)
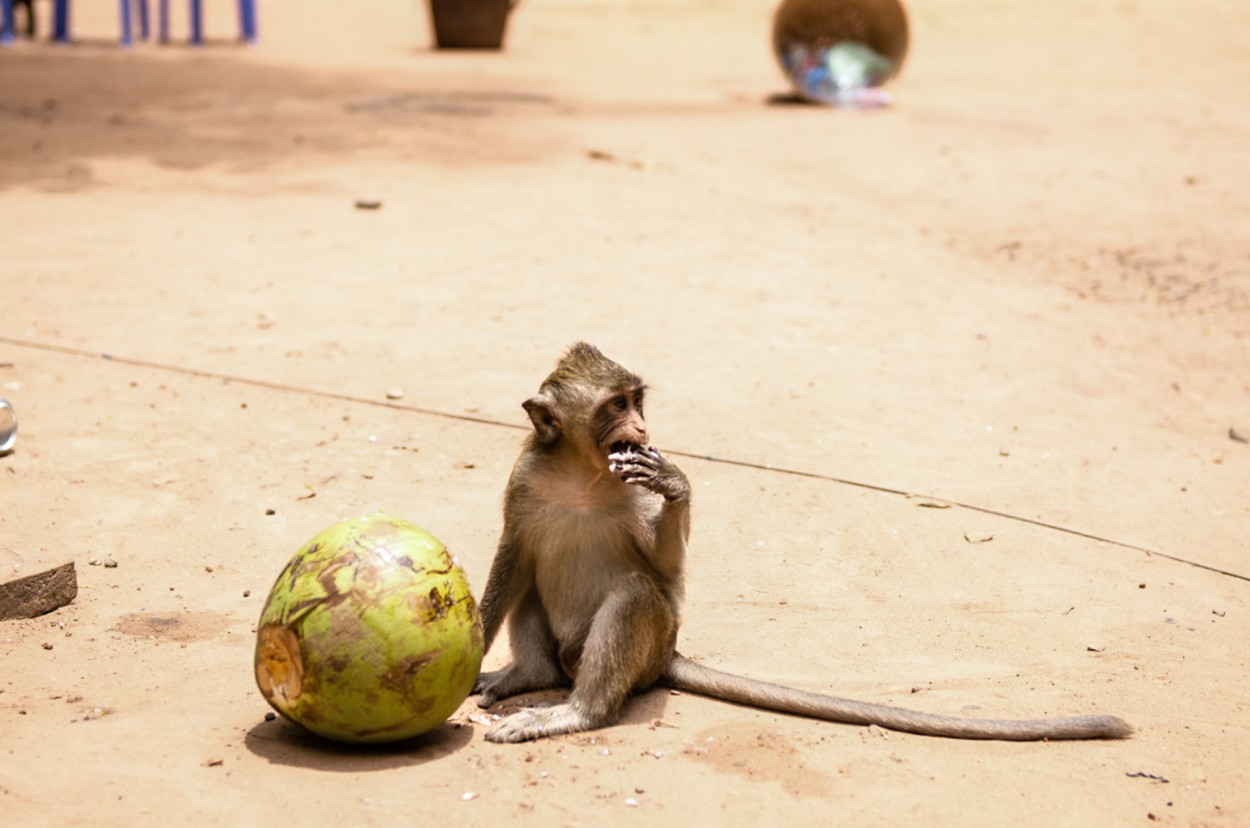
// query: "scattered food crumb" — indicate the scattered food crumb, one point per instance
point(395, 394)
point(368, 204)
point(469, 796)
point(1237, 436)
point(978, 537)
point(247, 593)
point(270, 716)
point(47, 645)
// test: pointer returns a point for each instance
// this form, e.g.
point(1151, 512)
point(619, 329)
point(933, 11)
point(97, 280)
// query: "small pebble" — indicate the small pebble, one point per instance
point(47, 645)
point(395, 394)
point(270, 716)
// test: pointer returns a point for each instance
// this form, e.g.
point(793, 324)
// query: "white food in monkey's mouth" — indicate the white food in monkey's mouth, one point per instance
point(620, 453)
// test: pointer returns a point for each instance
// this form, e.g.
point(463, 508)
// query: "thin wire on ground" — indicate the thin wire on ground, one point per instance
point(469, 418)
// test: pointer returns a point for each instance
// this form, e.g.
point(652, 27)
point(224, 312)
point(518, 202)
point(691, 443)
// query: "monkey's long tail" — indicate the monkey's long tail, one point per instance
point(690, 676)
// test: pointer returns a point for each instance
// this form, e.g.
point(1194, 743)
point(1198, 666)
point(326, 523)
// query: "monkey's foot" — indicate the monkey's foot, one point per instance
point(537, 723)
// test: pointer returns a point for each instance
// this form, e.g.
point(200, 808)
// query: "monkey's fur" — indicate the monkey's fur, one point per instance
point(589, 575)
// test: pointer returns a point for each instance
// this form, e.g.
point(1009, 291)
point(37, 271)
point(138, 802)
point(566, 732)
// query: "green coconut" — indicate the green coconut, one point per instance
point(370, 634)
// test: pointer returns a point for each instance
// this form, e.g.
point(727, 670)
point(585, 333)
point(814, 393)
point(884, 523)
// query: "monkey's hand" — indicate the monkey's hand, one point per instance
point(489, 687)
point(515, 679)
point(653, 471)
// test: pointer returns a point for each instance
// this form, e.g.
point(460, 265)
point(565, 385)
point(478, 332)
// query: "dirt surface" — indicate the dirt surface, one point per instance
point(1021, 295)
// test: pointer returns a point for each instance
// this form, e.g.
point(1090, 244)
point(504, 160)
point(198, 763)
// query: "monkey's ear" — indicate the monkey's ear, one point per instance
point(542, 411)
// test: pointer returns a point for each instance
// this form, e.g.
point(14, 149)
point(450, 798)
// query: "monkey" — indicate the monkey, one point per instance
point(589, 574)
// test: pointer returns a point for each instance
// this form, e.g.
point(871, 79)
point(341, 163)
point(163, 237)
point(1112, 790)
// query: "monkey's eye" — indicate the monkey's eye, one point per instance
point(620, 403)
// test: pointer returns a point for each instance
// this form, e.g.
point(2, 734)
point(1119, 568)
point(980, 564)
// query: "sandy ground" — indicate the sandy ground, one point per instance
point(1022, 293)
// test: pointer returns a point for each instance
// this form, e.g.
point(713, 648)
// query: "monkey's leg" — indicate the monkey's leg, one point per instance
point(534, 664)
point(628, 646)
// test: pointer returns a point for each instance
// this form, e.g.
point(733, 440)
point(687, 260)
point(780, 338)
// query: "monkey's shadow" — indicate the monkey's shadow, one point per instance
point(284, 743)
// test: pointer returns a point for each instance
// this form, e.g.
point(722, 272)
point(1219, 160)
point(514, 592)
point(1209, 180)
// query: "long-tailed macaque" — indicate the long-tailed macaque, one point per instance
point(589, 575)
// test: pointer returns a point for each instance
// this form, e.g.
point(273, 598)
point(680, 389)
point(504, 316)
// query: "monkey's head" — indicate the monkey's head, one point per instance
point(589, 403)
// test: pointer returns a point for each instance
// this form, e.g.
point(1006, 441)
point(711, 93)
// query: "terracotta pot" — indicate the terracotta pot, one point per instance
point(470, 24)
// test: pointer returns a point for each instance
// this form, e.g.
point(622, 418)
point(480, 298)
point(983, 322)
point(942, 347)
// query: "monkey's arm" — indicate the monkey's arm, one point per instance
point(505, 586)
point(671, 527)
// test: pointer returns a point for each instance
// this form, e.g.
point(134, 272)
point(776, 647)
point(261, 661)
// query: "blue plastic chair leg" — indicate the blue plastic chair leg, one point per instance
point(6, 19)
point(247, 20)
point(163, 24)
point(143, 19)
point(197, 23)
point(124, 11)
point(60, 21)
